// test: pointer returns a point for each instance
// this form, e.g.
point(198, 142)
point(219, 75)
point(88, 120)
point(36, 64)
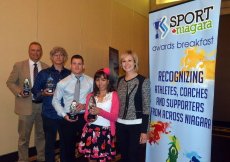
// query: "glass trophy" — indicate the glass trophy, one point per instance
point(92, 103)
point(26, 87)
point(72, 111)
point(50, 84)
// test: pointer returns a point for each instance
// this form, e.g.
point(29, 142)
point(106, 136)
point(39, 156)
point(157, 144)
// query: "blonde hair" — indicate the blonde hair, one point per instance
point(61, 50)
point(134, 56)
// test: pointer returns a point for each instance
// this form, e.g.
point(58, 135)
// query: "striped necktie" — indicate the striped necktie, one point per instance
point(35, 71)
point(77, 89)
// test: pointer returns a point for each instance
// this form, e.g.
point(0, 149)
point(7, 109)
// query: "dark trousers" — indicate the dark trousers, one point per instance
point(51, 127)
point(71, 135)
point(128, 137)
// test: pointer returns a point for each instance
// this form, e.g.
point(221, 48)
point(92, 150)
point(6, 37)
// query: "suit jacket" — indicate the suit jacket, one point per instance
point(21, 71)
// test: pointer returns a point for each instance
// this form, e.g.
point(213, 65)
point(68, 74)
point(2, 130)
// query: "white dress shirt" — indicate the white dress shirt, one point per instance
point(31, 64)
point(65, 90)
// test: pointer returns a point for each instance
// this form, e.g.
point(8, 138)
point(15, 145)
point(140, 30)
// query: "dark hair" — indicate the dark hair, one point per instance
point(36, 43)
point(77, 57)
point(98, 74)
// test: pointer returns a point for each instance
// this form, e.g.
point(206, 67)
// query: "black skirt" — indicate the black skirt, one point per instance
point(97, 143)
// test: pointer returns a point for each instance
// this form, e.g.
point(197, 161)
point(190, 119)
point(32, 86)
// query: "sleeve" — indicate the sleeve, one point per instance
point(145, 105)
point(91, 84)
point(39, 85)
point(57, 98)
point(113, 114)
point(13, 80)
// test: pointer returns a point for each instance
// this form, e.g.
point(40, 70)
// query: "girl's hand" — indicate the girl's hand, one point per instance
point(95, 110)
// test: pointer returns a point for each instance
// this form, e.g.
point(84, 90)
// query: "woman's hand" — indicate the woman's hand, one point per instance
point(80, 107)
point(95, 111)
point(143, 138)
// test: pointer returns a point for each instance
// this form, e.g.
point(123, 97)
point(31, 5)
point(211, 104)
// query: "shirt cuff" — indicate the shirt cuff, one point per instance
point(63, 114)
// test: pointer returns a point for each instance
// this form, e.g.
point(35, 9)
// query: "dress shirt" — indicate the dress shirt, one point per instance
point(65, 90)
point(40, 84)
point(31, 64)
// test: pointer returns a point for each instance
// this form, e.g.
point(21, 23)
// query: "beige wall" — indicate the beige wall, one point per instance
point(87, 27)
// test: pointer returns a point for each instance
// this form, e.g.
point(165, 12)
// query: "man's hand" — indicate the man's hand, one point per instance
point(46, 93)
point(66, 117)
point(21, 94)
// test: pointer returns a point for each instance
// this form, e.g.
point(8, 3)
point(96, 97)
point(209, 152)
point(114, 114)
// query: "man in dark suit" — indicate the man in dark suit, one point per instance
point(28, 109)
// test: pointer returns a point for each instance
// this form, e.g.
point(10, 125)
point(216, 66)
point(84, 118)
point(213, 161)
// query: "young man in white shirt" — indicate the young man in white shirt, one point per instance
point(62, 100)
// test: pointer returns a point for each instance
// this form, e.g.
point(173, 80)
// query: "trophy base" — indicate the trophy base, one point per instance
point(26, 93)
point(72, 116)
point(91, 118)
point(50, 91)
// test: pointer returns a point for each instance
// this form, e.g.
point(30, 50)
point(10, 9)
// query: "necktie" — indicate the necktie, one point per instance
point(77, 89)
point(35, 71)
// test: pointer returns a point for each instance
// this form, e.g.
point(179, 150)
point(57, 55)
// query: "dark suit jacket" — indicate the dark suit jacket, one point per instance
point(21, 71)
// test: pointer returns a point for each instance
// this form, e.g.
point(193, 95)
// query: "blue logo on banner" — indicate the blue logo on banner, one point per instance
point(161, 28)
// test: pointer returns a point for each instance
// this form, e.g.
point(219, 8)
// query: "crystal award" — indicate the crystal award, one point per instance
point(92, 103)
point(72, 111)
point(50, 84)
point(26, 87)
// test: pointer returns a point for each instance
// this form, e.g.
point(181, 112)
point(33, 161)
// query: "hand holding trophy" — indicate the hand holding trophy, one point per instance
point(26, 87)
point(72, 111)
point(92, 103)
point(50, 84)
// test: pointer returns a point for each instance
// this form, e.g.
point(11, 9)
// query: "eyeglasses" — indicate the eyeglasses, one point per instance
point(58, 55)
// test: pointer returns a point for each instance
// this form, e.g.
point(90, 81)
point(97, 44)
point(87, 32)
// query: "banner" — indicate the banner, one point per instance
point(182, 54)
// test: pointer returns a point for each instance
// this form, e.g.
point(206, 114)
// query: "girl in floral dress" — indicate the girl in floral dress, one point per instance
point(97, 140)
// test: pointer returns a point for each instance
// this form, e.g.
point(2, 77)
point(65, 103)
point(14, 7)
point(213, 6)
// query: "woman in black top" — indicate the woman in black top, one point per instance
point(134, 94)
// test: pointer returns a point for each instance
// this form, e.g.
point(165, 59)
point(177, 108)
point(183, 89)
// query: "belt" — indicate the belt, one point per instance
point(36, 102)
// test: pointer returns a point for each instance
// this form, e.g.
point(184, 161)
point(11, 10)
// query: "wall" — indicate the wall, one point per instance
point(87, 27)
point(222, 78)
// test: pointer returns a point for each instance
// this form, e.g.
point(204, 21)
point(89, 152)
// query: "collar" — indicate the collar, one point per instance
point(31, 63)
point(74, 76)
point(53, 68)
